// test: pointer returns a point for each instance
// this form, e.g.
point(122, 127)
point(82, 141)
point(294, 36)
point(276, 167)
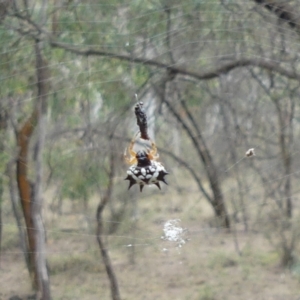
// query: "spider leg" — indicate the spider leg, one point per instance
point(130, 148)
point(132, 159)
point(153, 155)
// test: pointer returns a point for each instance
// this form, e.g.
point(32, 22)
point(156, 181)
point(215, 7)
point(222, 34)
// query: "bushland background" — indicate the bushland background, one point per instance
point(217, 78)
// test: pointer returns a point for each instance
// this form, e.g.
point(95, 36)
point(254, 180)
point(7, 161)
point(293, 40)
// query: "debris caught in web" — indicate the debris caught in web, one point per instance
point(250, 152)
point(173, 232)
point(145, 168)
point(141, 119)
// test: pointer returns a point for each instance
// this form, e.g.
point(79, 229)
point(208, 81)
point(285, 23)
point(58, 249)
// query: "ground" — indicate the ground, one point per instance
point(212, 265)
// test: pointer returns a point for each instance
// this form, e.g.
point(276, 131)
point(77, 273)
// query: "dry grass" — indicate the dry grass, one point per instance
point(207, 267)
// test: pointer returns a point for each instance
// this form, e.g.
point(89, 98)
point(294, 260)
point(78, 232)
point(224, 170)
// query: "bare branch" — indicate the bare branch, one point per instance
point(265, 64)
point(243, 62)
point(283, 11)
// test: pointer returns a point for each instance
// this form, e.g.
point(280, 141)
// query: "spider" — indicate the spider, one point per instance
point(144, 169)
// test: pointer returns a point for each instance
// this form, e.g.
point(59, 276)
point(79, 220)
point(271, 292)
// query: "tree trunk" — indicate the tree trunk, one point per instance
point(16, 210)
point(3, 124)
point(194, 133)
point(115, 294)
point(23, 138)
point(40, 251)
point(30, 194)
point(285, 116)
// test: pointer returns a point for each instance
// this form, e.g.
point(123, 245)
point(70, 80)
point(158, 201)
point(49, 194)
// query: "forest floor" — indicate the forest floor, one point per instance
point(211, 265)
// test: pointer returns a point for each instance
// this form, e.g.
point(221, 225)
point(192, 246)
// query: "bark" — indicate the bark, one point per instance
point(30, 193)
point(285, 140)
point(23, 138)
point(40, 251)
point(1, 221)
point(115, 294)
point(10, 172)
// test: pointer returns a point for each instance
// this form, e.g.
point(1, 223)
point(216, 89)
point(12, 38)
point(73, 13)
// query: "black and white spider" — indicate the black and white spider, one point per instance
point(144, 169)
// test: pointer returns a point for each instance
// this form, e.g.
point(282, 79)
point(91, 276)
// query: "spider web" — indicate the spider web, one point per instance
point(166, 244)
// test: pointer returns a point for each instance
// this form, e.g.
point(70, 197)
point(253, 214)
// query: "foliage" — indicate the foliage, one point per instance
point(173, 55)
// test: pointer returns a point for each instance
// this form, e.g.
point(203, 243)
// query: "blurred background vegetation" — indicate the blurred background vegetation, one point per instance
point(216, 78)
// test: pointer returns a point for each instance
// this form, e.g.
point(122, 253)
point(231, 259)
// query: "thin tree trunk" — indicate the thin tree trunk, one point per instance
point(115, 294)
point(24, 187)
point(217, 201)
point(3, 125)
point(15, 207)
point(30, 192)
point(1, 201)
point(40, 251)
point(1, 222)
point(211, 171)
point(285, 140)
point(234, 157)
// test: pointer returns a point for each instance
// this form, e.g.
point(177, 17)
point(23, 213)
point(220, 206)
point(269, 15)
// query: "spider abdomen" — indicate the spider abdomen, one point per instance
point(152, 173)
